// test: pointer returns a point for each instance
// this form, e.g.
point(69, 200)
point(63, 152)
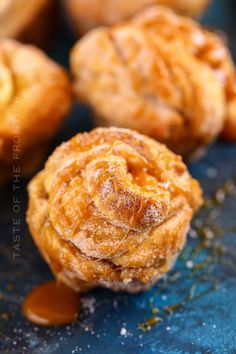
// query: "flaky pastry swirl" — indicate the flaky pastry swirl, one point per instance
point(93, 13)
point(111, 208)
point(160, 74)
point(208, 47)
point(35, 96)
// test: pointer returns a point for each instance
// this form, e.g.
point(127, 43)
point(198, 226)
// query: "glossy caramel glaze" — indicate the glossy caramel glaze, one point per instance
point(51, 304)
point(111, 208)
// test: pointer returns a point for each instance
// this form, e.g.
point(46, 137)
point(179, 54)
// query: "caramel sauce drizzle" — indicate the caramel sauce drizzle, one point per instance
point(51, 304)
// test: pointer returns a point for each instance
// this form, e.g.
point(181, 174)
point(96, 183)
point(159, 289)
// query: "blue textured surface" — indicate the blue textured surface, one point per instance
point(205, 325)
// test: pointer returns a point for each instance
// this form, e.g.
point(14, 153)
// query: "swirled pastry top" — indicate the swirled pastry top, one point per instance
point(89, 14)
point(161, 74)
point(111, 208)
point(208, 47)
point(35, 94)
point(137, 78)
point(114, 185)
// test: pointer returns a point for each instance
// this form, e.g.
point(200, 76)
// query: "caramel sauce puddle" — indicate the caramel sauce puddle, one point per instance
point(51, 304)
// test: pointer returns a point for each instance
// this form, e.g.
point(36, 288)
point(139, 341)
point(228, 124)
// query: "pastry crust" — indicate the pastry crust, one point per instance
point(27, 21)
point(161, 74)
point(35, 98)
point(208, 47)
point(111, 208)
point(86, 15)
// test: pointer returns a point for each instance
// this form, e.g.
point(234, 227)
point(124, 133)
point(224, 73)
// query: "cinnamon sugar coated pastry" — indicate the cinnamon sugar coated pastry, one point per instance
point(86, 15)
point(111, 208)
point(161, 74)
point(35, 97)
point(29, 21)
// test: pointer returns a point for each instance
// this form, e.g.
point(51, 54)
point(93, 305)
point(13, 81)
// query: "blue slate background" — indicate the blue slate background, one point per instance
point(204, 325)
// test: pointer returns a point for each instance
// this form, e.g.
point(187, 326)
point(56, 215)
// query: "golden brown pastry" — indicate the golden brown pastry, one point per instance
point(161, 74)
point(111, 208)
point(86, 15)
point(27, 20)
point(35, 97)
point(208, 47)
